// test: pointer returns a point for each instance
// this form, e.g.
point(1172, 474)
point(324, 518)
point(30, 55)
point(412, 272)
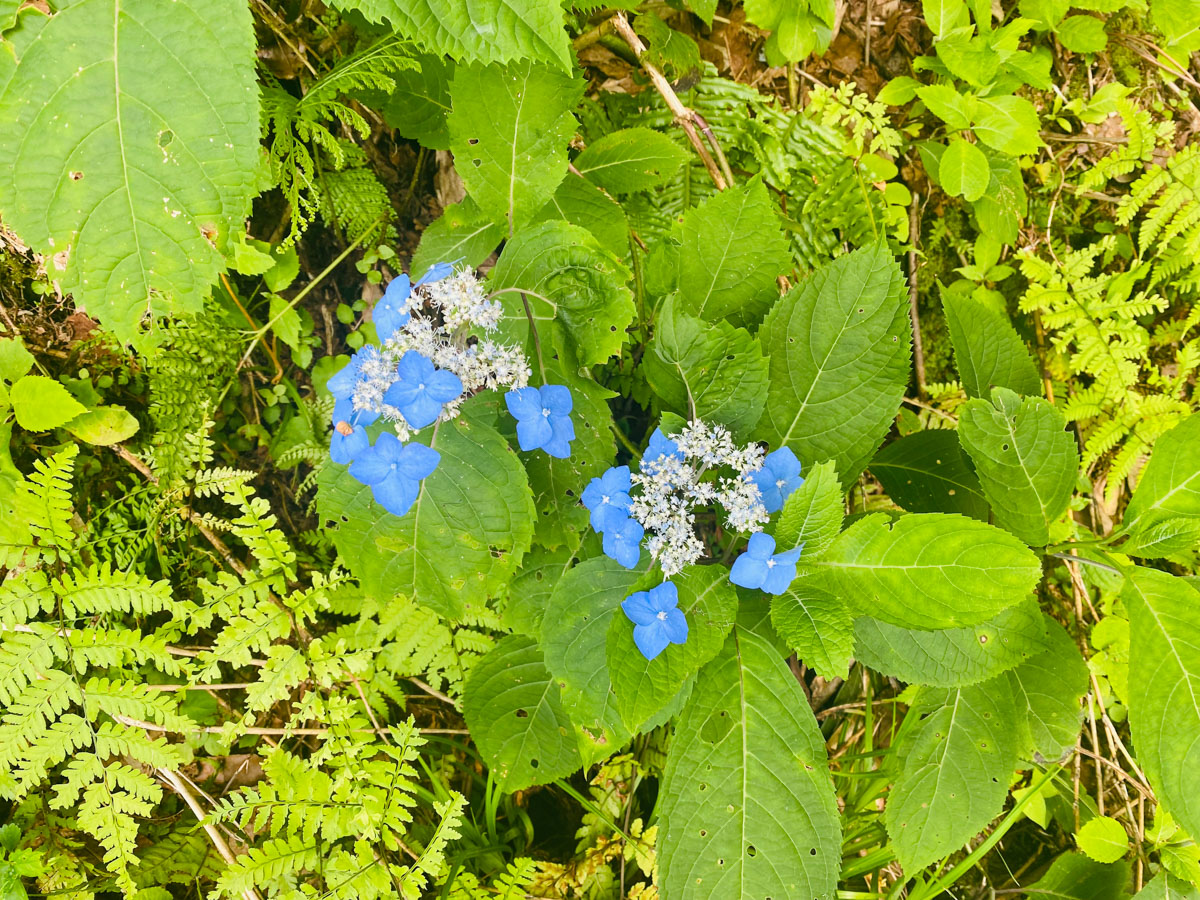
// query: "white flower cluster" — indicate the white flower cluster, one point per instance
point(460, 304)
point(673, 486)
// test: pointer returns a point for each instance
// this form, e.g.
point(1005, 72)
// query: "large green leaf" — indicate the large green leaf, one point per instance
point(516, 716)
point(130, 143)
point(1169, 488)
point(954, 770)
point(463, 538)
point(927, 472)
point(987, 349)
point(634, 159)
point(462, 233)
point(812, 514)
point(1025, 458)
point(715, 370)
point(581, 203)
point(481, 31)
point(952, 657)
point(1164, 687)
point(531, 587)
point(748, 808)
point(1165, 886)
point(839, 350)
point(732, 251)
point(817, 625)
point(1049, 686)
point(929, 570)
point(575, 285)
point(644, 686)
point(509, 130)
point(419, 103)
point(1072, 876)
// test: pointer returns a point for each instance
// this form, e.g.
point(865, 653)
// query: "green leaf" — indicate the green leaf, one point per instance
point(1164, 697)
point(929, 570)
point(1026, 460)
point(531, 587)
point(575, 285)
point(817, 625)
point(516, 716)
point(839, 348)
point(1083, 34)
point(480, 31)
point(509, 130)
point(927, 472)
point(1008, 124)
point(104, 425)
point(1179, 21)
point(285, 321)
point(987, 349)
point(1103, 839)
point(1047, 13)
point(1072, 876)
point(126, 166)
point(581, 203)
point(732, 251)
point(797, 29)
point(747, 804)
point(1168, 489)
point(947, 104)
point(1049, 686)
point(1165, 886)
point(419, 105)
point(644, 686)
point(952, 657)
point(964, 170)
point(461, 232)
point(943, 16)
point(954, 771)
point(41, 403)
point(634, 159)
point(461, 541)
point(812, 514)
point(715, 370)
point(250, 257)
point(15, 360)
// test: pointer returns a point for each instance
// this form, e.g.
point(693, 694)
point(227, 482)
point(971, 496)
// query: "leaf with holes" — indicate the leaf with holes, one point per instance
point(126, 164)
point(1050, 686)
point(927, 472)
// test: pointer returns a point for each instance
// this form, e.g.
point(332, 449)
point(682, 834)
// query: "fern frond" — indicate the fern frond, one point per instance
point(50, 492)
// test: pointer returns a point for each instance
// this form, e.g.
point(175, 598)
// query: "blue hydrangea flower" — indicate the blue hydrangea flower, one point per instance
point(778, 477)
point(607, 497)
point(349, 436)
point(421, 390)
point(624, 543)
point(436, 272)
point(543, 418)
point(657, 619)
point(347, 442)
point(660, 445)
point(394, 471)
point(761, 567)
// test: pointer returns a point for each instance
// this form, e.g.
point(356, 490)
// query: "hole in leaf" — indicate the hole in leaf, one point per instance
point(522, 714)
point(751, 851)
point(533, 763)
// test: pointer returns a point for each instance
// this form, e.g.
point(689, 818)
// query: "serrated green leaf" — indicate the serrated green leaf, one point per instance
point(581, 203)
point(987, 349)
point(927, 472)
point(575, 284)
point(954, 771)
point(732, 251)
point(943, 16)
point(419, 105)
point(509, 130)
point(1008, 124)
point(1050, 686)
point(817, 625)
point(124, 166)
point(839, 349)
point(479, 31)
point(747, 804)
point(1165, 886)
point(1169, 488)
point(952, 657)
point(15, 360)
point(531, 587)
point(1025, 458)
point(714, 371)
point(633, 159)
point(516, 716)
point(104, 425)
point(461, 232)
point(945, 102)
point(644, 686)
point(1103, 839)
point(1072, 876)
point(461, 541)
point(41, 403)
point(285, 321)
point(797, 29)
point(1164, 694)
point(1179, 21)
point(1082, 34)
point(964, 170)
point(929, 570)
point(812, 514)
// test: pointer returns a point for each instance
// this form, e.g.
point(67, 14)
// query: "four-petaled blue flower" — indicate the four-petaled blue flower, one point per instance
point(657, 619)
point(778, 477)
point(624, 543)
point(608, 498)
point(761, 567)
point(543, 418)
point(660, 445)
point(421, 390)
point(394, 471)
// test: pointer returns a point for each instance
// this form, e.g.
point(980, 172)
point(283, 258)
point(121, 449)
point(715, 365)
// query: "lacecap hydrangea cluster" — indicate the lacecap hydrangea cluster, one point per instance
point(699, 468)
point(436, 348)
